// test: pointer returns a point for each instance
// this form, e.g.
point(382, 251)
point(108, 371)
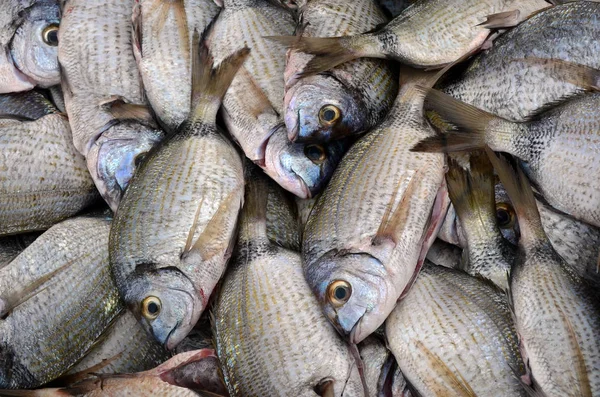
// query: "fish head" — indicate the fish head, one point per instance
point(165, 302)
point(34, 47)
point(355, 293)
point(114, 157)
point(302, 169)
point(321, 109)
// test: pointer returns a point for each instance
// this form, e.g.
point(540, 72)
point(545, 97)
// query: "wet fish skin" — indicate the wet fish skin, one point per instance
point(44, 180)
point(38, 341)
point(12, 246)
point(308, 352)
point(361, 91)
point(92, 32)
point(444, 346)
point(171, 238)
point(28, 41)
point(162, 49)
point(445, 254)
point(380, 366)
point(518, 90)
point(28, 105)
point(283, 225)
point(364, 231)
point(552, 305)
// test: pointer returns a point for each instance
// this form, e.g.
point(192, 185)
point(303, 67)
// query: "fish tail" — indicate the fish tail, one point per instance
point(476, 128)
point(253, 221)
point(521, 194)
point(330, 51)
point(209, 84)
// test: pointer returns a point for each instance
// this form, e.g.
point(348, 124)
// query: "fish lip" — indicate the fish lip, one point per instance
point(295, 131)
point(352, 334)
point(167, 342)
point(303, 187)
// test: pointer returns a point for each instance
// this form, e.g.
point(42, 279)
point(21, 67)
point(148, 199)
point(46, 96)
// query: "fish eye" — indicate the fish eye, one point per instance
point(151, 306)
point(139, 159)
point(315, 153)
point(338, 292)
point(505, 215)
point(50, 35)
point(329, 115)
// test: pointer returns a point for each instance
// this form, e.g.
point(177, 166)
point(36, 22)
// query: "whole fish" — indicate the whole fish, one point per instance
point(124, 347)
point(349, 99)
point(368, 234)
point(505, 82)
point(266, 310)
point(444, 254)
point(429, 34)
point(12, 246)
point(67, 266)
point(43, 179)
point(28, 105)
point(171, 237)
point(563, 139)
point(111, 124)
point(472, 192)
point(552, 305)
point(453, 335)
point(28, 44)
point(163, 31)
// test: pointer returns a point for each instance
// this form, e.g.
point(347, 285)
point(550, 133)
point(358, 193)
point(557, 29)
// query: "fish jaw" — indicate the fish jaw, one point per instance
point(11, 79)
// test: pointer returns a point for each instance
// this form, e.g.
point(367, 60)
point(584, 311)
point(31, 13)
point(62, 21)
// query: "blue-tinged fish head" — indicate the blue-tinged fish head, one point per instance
point(321, 109)
point(355, 292)
point(166, 303)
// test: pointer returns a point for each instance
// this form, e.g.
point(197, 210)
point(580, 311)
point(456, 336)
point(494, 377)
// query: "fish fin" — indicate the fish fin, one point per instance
point(583, 380)
point(207, 245)
point(161, 10)
point(582, 76)
point(476, 125)
point(210, 85)
point(506, 19)
point(260, 103)
point(120, 110)
point(136, 31)
point(84, 374)
point(325, 388)
point(521, 195)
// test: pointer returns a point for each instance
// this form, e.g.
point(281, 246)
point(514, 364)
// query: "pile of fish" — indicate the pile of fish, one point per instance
point(299, 198)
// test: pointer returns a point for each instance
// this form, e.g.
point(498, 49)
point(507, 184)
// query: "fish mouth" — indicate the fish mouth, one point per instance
point(352, 335)
point(168, 343)
point(304, 189)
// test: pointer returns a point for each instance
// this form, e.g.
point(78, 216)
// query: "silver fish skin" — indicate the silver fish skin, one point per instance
point(28, 105)
point(12, 246)
point(472, 192)
point(563, 138)
point(503, 81)
point(453, 335)
point(43, 179)
point(357, 94)
point(28, 44)
point(379, 367)
point(67, 265)
point(172, 235)
point(163, 31)
point(97, 81)
point(552, 304)
point(283, 224)
point(370, 230)
point(445, 254)
point(257, 316)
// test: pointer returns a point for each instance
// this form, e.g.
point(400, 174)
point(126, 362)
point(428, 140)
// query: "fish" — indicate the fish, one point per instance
point(110, 119)
point(429, 34)
point(43, 179)
point(453, 335)
point(163, 31)
point(25, 106)
point(283, 225)
point(350, 99)
point(506, 81)
point(445, 254)
point(56, 298)
point(552, 304)
point(265, 309)
point(172, 235)
point(12, 246)
point(368, 234)
point(380, 367)
point(395, 7)
point(472, 192)
point(28, 41)
point(562, 138)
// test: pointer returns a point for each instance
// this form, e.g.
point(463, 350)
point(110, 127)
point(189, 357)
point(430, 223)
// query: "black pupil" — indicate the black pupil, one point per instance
point(52, 37)
point(152, 308)
point(503, 217)
point(328, 115)
point(340, 293)
point(314, 152)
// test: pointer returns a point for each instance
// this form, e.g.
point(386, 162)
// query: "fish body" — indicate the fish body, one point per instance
point(43, 179)
point(453, 335)
point(364, 236)
point(172, 233)
point(68, 266)
point(283, 225)
point(445, 254)
point(99, 76)
point(502, 81)
point(266, 310)
point(29, 40)
point(163, 37)
point(359, 93)
point(28, 105)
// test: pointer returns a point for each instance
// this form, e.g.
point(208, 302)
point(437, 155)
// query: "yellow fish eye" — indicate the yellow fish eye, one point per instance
point(329, 115)
point(151, 306)
point(50, 35)
point(505, 215)
point(339, 292)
